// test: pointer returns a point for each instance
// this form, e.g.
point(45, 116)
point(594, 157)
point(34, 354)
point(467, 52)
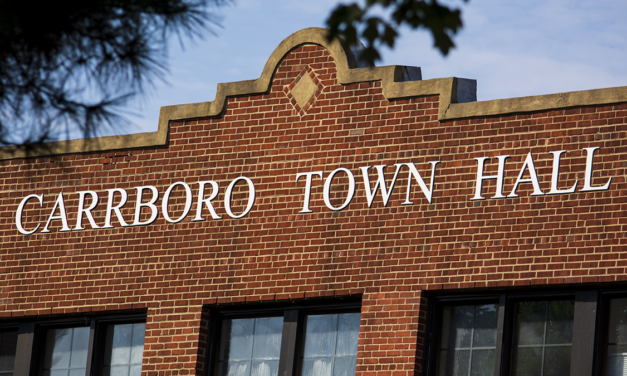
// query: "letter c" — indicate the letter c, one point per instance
point(18, 215)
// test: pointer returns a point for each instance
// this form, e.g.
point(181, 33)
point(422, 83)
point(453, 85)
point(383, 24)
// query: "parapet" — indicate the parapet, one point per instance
point(457, 97)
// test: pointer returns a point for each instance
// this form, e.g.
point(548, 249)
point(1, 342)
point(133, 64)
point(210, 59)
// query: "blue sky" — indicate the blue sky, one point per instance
point(512, 48)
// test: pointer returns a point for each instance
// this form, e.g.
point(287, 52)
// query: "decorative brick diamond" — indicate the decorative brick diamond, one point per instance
point(304, 90)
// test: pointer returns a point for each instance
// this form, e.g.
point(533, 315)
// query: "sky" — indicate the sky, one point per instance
point(512, 48)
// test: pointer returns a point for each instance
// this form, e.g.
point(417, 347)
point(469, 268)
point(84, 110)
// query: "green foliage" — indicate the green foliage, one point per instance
point(73, 63)
point(352, 22)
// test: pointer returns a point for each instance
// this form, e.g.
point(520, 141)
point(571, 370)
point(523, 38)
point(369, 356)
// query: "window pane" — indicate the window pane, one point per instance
point(320, 335)
point(617, 330)
point(66, 351)
point(468, 340)
point(530, 317)
point(8, 344)
point(527, 361)
point(486, 317)
point(267, 340)
point(317, 367)
point(250, 347)
point(118, 370)
point(462, 321)
point(241, 339)
point(540, 326)
point(482, 363)
point(616, 362)
point(454, 363)
point(124, 347)
point(348, 334)
point(557, 361)
point(345, 366)
point(264, 368)
point(137, 343)
point(58, 345)
point(76, 372)
point(560, 322)
point(80, 343)
point(135, 370)
point(234, 368)
point(331, 344)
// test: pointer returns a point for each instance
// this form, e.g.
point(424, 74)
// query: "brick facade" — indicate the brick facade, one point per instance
point(392, 256)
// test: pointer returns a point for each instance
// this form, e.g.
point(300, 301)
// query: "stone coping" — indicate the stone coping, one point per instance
point(396, 84)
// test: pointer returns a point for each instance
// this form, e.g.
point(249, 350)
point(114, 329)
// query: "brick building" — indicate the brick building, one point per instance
point(325, 219)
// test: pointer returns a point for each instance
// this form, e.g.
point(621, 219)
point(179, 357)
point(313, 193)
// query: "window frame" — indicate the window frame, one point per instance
point(12, 326)
point(294, 314)
point(96, 352)
point(583, 357)
point(31, 339)
point(602, 325)
point(40, 340)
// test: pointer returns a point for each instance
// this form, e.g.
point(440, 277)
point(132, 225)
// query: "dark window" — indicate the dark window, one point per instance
point(100, 346)
point(8, 343)
point(308, 340)
point(468, 340)
point(543, 337)
point(616, 335)
point(518, 334)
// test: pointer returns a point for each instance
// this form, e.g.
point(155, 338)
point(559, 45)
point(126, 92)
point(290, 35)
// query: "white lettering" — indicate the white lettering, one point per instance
point(413, 171)
point(498, 177)
point(150, 204)
point(587, 183)
point(555, 176)
point(116, 209)
point(380, 182)
point(63, 216)
point(81, 209)
point(327, 189)
point(309, 176)
point(166, 199)
point(207, 202)
point(533, 178)
point(18, 215)
point(251, 197)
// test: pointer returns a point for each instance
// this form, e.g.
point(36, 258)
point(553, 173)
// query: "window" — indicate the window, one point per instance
point(330, 345)
point(616, 347)
point(66, 352)
point(250, 346)
point(543, 338)
point(517, 334)
point(611, 358)
point(468, 341)
point(100, 346)
point(308, 340)
point(124, 349)
point(8, 343)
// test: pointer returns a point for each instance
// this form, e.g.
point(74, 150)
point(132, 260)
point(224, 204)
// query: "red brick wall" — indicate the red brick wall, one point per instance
point(388, 255)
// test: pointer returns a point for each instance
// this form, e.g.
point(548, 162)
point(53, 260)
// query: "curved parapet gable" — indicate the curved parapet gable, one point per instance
point(457, 98)
point(347, 73)
point(397, 81)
